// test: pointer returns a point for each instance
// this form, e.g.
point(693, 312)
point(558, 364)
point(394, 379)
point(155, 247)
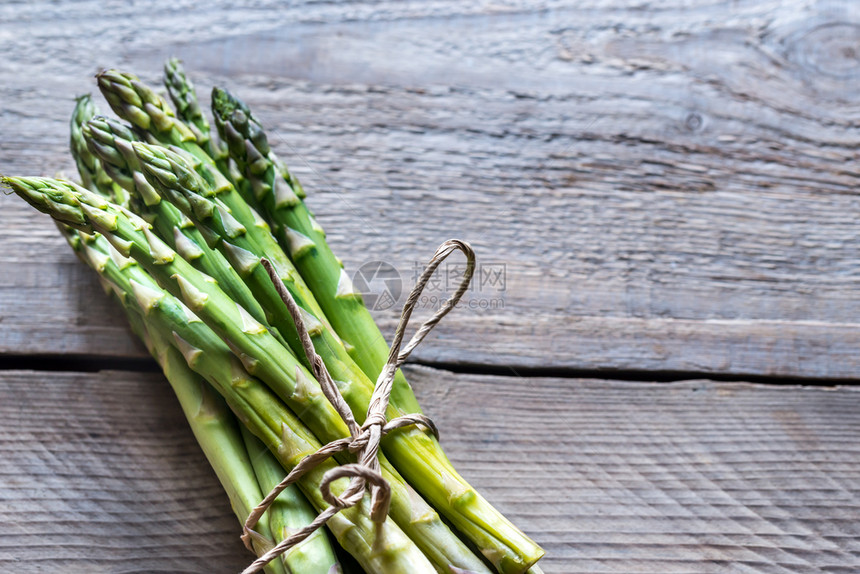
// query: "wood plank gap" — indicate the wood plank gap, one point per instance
point(655, 376)
point(77, 363)
point(87, 363)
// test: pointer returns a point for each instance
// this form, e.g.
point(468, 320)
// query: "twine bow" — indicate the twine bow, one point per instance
point(363, 440)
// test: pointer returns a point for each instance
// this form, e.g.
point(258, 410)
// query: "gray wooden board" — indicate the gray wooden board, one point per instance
point(100, 473)
point(670, 185)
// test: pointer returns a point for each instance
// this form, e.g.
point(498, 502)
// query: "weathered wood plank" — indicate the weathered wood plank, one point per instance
point(101, 474)
point(686, 477)
point(668, 188)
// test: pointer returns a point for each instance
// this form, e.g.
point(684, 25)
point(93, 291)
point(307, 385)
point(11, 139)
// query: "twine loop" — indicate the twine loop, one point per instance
point(364, 440)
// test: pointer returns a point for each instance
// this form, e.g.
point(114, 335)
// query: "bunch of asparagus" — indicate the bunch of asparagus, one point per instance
point(175, 219)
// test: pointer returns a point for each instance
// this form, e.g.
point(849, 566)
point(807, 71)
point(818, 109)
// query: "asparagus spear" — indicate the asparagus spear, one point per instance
point(291, 507)
point(434, 538)
point(415, 453)
point(232, 225)
point(407, 509)
point(135, 102)
point(378, 548)
point(246, 469)
point(381, 548)
point(93, 175)
point(111, 142)
point(218, 435)
point(184, 99)
point(138, 104)
point(132, 237)
point(278, 194)
point(261, 354)
point(289, 513)
point(171, 133)
point(213, 425)
point(508, 548)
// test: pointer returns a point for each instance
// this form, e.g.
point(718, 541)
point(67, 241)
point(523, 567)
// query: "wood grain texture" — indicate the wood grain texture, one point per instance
point(670, 185)
point(694, 477)
point(101, 474)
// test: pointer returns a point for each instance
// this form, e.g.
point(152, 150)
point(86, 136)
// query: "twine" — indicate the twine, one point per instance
point(363, 440)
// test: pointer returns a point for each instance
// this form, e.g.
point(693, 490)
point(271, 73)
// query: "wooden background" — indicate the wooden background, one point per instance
point(670, 186)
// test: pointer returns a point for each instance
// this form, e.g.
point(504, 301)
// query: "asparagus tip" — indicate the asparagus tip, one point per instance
point(144, 150)
point(224, 103)
point(16, 184)
point(83, 100)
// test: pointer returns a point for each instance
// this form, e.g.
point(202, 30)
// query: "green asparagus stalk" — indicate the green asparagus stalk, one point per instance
point(111, 141)
point(434, 538)
point(138, 104)
point(135, 102)
point(378, 548)
point(184, 98)
point(260, 353)
point(304, 240)
point(291, 507)
point(279, 195)
point(499, 540)
point(246, 469)
point(417, 520)
point(415, 453)
point(168, 131)
point(102, 150)
point(218, 435)
point(289, 513)
point(132, 237)
point(213, 425)
point(93, 176)
point(231, 224)
point(152, 117)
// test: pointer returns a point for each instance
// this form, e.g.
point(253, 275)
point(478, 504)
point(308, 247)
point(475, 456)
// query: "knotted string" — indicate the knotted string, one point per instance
point(363, 440)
